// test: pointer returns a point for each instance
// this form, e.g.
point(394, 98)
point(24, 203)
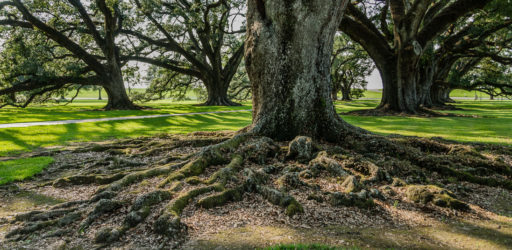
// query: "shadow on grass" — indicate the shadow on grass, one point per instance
point(90, 110)
point(14, 140)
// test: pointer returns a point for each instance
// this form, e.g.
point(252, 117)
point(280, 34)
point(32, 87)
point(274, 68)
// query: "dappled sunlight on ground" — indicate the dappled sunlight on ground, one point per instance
point(84, 109)
point(479, 234)
point(492, 124)
point(29, 138)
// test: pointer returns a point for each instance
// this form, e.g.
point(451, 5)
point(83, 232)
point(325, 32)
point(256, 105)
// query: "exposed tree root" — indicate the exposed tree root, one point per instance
point(87, 179)
point(225, 171)
point(138, 177)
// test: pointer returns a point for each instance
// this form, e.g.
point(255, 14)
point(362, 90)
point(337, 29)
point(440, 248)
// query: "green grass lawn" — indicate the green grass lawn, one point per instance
point(493, 124)
point(17, 170)
point(87, 93)
point(457, 93)
point(466, 94)
point(373, 94)
point(87, 109)
point(28, 138)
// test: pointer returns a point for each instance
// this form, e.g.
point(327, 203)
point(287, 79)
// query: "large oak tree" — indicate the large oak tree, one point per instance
point(288, 52)
point(87, 32)
point(461, 48)
point(198, 39)
point(396, 34)
point(350, 67)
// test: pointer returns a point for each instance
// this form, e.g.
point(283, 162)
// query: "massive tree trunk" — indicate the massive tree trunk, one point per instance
point(446, 95)
point(402, 86)
point(397, 53)
point(288, 49)
point(436, 95)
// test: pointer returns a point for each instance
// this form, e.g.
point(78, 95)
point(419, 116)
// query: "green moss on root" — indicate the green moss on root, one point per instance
point(438, 196)
point(215, 200)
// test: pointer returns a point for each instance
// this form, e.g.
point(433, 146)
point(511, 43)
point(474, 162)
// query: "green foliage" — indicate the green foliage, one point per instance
point(203, 46)
point(490, 77)
point(479, 52)
point(60, 52)
point(21, 169)
point(29, 55)
point(350, 67)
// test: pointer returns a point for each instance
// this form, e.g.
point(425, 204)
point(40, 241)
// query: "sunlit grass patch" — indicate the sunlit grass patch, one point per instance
point(20, 169)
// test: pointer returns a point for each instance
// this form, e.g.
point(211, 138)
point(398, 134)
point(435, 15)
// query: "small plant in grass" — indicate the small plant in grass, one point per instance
point(395, 205)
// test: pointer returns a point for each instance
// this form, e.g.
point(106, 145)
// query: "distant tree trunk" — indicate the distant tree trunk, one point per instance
point(425, 83)
point(99, 94)
point(217, 90)
point(440, 94)
point(389, 100)
point(334, 94)
point(491, 96)
point(346, 95)
point(336, 85)
point(288, 49)
point(415, 25)
point(446, 93)
point(437, 95)
point(116, 92)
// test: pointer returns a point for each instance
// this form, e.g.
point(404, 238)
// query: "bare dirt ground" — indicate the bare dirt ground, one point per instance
point(343, 198)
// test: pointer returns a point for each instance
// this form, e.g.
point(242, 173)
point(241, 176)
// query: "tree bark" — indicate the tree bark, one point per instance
point(390, 92)
point(288, 49)
point(446, 94)
point(436, 95)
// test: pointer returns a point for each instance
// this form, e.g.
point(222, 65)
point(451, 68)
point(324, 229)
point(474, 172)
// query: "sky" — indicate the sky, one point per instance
point(374, 80)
